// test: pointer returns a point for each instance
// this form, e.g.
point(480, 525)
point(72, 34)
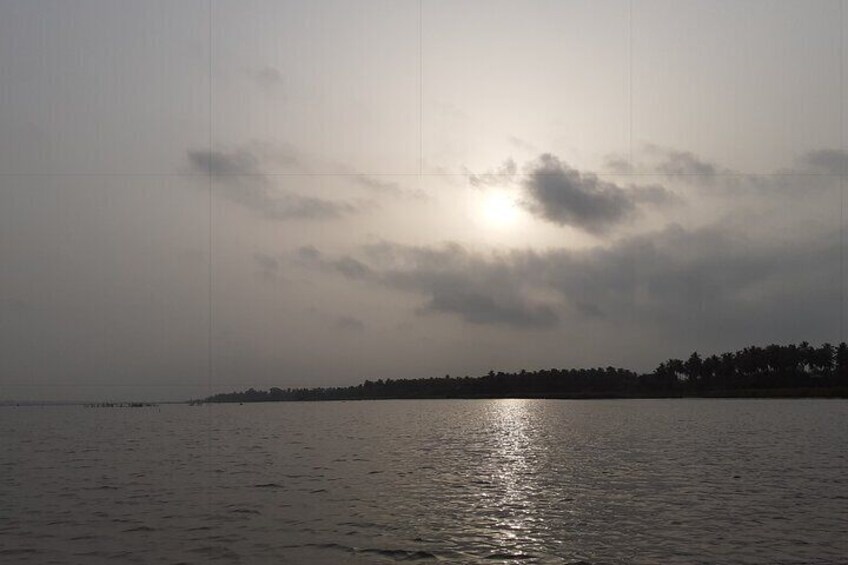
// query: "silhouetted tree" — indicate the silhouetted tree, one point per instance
point(774, 367)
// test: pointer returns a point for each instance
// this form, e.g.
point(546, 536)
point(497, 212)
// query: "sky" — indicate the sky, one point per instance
point(209, 195)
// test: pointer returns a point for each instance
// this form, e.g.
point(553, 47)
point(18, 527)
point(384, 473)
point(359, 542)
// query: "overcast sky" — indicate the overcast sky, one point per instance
point(198, 197)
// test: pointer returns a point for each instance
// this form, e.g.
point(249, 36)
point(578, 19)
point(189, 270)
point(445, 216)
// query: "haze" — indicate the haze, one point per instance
point(204, 196)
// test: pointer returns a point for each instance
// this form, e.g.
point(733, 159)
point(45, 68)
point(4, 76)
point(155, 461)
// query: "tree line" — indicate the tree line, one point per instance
point(774, 370)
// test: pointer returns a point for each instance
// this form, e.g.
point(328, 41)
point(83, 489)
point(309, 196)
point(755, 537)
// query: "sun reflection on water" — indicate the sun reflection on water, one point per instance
point(513, 471)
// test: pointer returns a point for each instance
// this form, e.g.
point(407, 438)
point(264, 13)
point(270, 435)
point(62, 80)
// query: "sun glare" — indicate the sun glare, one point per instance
point(499, 209)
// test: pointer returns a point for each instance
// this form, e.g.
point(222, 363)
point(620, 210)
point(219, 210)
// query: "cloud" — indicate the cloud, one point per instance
point(565, 196)
point(557, 193)
point(269, 266)
point(793, 181)
point(618, 164)
point(346, 266)
point(308, 253)
point(686, 163)
point(505, 174)
point(711, 284)
point(828, 161)
point(267, 77)
point(476, 307)
point(389, 188)
point(654, 194)
point(708, 179)
point(522, 144)
point(349, 324)
point(247, 159)
point(667, 162)
point(452, 280)
point(377, 184)
point(240, 179)
point(219, 163)
point(352, 268)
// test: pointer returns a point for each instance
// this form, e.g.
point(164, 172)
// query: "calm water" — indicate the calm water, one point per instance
point(530, 481)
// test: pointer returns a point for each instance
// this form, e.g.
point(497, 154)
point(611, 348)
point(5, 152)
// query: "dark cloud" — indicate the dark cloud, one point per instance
point(346, 266)
point(296, 207)
point(308, 253)
point(828, 161)
point(351, 268)
point(653, 194)
point(710, 284)
point(268, 265)
point(686, 163)
point(270, 268)
point(618, 164)
point(565, 196)
point(387, 187)
point(673, 163)
point(250, 159)
point(239, 178)
point(235, 163)
point(377, 184)
point(267, 77)
point(453, 281)
point(476, 307)
point(349, 324)
point(696, 172)
point(664, 161)
point(676, 277)
point(724, 182)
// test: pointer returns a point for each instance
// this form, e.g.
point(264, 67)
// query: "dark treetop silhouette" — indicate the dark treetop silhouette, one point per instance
point(774, 370)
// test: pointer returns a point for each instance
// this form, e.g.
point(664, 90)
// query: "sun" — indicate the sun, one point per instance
point(499, 209)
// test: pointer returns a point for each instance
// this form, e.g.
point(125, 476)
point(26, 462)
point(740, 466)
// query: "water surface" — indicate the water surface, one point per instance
point(457, 481)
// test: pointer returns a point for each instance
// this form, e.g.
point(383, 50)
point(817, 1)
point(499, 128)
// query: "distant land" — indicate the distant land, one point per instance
point(774, 371)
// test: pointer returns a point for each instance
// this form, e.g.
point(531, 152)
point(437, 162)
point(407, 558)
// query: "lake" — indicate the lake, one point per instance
point(457, 481)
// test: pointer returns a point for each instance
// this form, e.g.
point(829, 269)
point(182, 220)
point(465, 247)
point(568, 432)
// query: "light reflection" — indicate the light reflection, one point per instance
point(514, 475)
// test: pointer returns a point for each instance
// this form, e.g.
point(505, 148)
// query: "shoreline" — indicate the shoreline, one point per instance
point(746, 394)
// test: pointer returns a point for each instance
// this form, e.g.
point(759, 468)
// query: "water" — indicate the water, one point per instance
point(490, 481)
